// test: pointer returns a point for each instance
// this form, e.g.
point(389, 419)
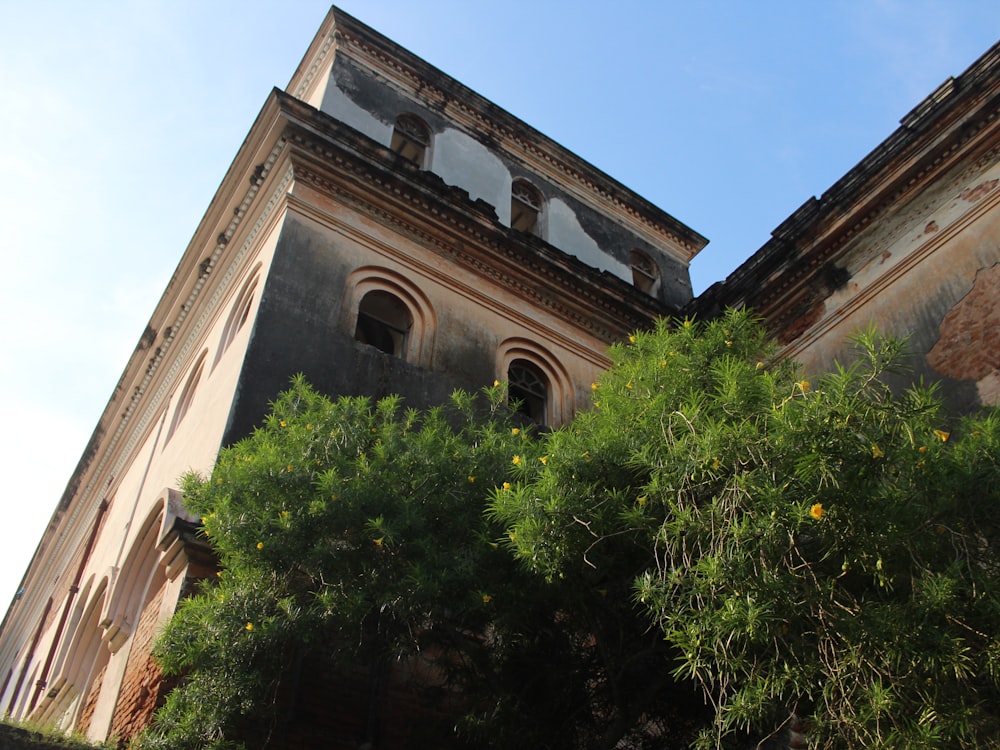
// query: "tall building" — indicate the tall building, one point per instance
point(383, 229)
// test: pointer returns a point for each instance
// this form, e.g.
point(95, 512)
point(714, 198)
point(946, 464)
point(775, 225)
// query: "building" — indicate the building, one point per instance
point(908, 239)
point(383, 229)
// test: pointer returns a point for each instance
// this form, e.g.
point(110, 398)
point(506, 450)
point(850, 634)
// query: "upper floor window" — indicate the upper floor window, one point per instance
point(411, 138)
point(187, 396)
point(384, 321)
point(525, 206)
point(645, 275)
point(239, 313)
point(528, 390)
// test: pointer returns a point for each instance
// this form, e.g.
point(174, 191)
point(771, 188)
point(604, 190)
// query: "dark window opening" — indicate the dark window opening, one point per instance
point(525, 206)
point(384, 322)
point(528, 391)
point(644, 272)
point(411, 139)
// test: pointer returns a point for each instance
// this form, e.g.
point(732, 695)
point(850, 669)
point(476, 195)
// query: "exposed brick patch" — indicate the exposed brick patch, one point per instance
point(87, 713)
point(141, 684)
point(802, 323)
point(975, 193)
point(968, 346)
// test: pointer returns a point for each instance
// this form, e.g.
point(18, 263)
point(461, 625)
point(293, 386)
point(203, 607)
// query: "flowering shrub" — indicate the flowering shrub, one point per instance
point(826, 548)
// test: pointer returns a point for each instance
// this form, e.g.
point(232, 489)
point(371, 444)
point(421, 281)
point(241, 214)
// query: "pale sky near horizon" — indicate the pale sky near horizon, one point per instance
point(118, 119)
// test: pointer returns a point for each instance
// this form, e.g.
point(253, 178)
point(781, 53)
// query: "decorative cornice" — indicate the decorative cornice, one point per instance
point(142, 409)
point(818, 233)
point(417, 79)
point(538, 259)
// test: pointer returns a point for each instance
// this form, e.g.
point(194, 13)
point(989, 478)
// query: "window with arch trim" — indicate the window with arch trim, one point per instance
point(187, 396)
point(645, 274)
point(239, 313)
point(411, 139)
point(538, 385)
point(384, 321)
point(528, 392)
point(525, 206)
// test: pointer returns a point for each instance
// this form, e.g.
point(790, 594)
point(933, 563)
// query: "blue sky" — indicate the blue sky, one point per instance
point(118, 119)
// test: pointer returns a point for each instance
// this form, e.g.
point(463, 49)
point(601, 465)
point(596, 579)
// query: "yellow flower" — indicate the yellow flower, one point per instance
point(729, 343)
point(631, 339)
point(516, 460)
point(515, 431)
point(641, 500)
point(593, 386)
point(496, 383)
point(687, 323)
point(942, 435)
point(218, 480)
point(260, 545)
point(309, 426)
point(759, 365)
point(494, 545)
point(629, 385)
point(544, 460)
point(816, 511)
point(663, 363)
point(203, 520)
point(378, 542)
point(803, 385)
point(506, 485)
point(715, 463)
point(922, 449)
point(249, 626)
point(487, 598)
point(877, 452)
point(289, 468)
point(471, 478)
point(283, 423)
point(512, 536)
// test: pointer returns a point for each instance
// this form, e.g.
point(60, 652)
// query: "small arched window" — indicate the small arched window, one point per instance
point(528, 391)
point(186, 397)
point(239, 313)
point(525, 206)
point(411, 139)
point(645, 275)
point(384, 321)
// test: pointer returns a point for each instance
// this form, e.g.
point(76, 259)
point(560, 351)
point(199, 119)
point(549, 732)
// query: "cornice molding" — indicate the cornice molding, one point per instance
point(337, 164)
point(141, 410)
point(771, 276)
point(537, 153)
point(937, 242)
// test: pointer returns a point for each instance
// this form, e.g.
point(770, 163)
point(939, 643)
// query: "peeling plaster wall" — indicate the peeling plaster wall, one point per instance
point(478, 166)
point(927, 270)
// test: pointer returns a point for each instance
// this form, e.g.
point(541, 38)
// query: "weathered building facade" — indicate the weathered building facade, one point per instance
point(383, 229)
point(907, 240)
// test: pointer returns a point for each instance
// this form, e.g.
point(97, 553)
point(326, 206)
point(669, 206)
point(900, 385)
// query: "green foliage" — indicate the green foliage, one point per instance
point(825, 548)
point(347, 531)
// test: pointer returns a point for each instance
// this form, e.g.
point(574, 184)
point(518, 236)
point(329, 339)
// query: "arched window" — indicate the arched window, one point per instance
point(187, 396)
point(645, 274)
point(411, 139)
point(384, 321)
point(239, 313)
point(528, 391)
point(525, 206)
point(537, 383)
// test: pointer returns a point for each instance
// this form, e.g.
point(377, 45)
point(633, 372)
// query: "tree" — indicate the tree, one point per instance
point(827, 549)
point(352, 540)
